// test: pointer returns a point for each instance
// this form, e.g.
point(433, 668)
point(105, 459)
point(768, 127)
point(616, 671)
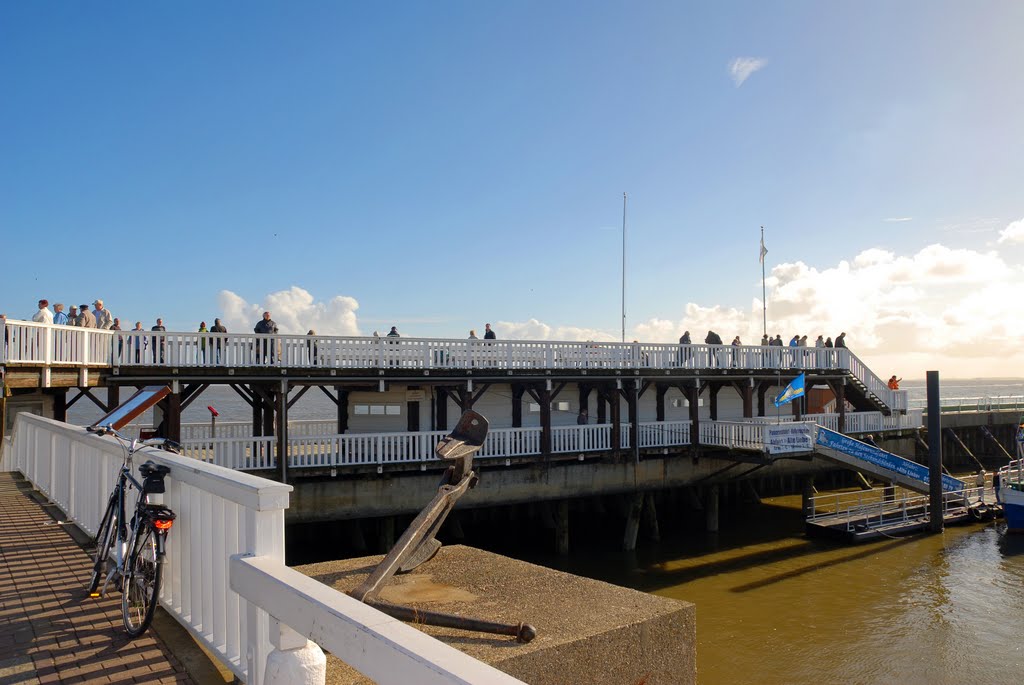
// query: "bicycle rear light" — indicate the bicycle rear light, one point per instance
point(163, 524)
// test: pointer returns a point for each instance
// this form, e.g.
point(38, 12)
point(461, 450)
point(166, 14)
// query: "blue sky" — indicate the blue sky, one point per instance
point(439, 165)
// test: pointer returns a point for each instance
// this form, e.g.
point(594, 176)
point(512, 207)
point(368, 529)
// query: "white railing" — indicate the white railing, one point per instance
point(224, 576)
point(664, 433)
point(732, 434)
point(954, 405)
point(878, 507)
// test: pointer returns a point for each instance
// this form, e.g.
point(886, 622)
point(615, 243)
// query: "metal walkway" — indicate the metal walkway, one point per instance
point(50, 631)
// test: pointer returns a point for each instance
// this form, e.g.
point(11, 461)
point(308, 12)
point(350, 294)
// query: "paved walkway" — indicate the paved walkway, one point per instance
point(50, 630)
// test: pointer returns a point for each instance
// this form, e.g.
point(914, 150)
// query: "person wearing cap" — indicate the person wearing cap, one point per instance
point(73, 316)
point(44, 315)
point(104, 319)
point(85, 317)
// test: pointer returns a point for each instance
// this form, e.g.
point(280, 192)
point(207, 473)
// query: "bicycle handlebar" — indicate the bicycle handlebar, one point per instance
point(149, 442)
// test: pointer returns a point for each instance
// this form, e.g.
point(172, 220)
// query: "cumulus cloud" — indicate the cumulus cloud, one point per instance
point(537, 330)
point(295, 310)
point(955, 310)
point(1014, 233)
point(741, 68)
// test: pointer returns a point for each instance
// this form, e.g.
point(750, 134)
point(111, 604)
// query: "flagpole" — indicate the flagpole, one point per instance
point(623, 267)
point(764, 299)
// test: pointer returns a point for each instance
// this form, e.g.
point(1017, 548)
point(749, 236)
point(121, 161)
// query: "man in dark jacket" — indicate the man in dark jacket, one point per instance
point(841, 340)
point(266, 326)
point(218, 327)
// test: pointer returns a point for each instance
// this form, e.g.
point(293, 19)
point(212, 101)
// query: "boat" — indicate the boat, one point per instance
point(1011, 488)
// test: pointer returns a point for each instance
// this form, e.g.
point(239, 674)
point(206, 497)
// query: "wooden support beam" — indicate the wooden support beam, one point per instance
point(441, 408)
point(302, 391)
point(282, 431)
point(659, 401)
point(545, 422)
point(60, 404)
point(342, 404)
point(191, 392)
point(713, 389)
point(243, 392)
point(517, 404)
point(113, 397)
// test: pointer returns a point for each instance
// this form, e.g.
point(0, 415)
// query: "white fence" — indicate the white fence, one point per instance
point(245, 452)
point(956, 405)
point(224, 578)
point(32, 343)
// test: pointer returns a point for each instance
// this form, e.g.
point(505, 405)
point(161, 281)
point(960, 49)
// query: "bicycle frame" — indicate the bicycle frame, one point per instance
point(122, 540)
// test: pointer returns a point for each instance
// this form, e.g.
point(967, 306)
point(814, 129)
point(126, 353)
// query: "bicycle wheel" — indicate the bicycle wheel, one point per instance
point(105, 536)
point(141, 589)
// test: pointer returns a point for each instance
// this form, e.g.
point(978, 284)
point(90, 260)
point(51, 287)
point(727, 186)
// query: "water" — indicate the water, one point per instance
point(775, 607)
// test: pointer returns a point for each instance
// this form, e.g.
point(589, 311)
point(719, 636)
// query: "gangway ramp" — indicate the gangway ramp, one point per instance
point(875, 461)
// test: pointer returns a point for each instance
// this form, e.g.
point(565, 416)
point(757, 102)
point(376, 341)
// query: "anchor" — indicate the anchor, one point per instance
point(419, 543)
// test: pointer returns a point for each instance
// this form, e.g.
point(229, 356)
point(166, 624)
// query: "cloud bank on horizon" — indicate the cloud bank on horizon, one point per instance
point(957, 310)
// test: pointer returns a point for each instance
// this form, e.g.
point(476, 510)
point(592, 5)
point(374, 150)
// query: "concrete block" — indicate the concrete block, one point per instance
point(587, 631)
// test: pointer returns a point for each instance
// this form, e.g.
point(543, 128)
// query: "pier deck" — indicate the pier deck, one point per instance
point(50, 631)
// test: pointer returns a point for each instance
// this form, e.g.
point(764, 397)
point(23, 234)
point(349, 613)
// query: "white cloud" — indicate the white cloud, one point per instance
point(1014, 233)
point(537, 330)
point(294, 310)
point(941, 308)
point(741, 68)
point(900, 218)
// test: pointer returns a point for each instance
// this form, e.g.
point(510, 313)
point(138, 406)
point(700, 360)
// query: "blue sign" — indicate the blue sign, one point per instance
point(879, 457)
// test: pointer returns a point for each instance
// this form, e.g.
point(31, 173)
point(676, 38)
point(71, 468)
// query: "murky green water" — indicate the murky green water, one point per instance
point(774, 607)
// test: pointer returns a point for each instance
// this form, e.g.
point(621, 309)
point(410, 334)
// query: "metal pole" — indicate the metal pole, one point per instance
point(764, 297)
point(624, 267)
point(935, 523)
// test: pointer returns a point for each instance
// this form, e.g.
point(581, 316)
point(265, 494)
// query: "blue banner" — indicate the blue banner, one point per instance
point(879, 457)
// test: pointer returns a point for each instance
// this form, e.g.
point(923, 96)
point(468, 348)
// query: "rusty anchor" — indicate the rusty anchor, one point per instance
point(419, 543)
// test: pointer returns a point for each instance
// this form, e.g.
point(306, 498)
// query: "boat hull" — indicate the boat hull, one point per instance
point(1013, 509)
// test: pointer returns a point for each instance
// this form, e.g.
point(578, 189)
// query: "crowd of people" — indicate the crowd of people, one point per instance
point(798, 340)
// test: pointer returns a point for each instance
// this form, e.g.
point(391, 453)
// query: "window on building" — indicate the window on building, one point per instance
point(378, 410)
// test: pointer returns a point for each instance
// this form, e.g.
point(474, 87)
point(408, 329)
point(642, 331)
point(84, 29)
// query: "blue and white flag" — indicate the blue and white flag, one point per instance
point(792, 391)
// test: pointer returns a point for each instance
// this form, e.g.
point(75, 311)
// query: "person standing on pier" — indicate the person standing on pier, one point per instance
point(841, 340)
point(59, 317)
point(488, 333)
point(139, 341)
point(218, 327)
point(159, 340)
point(266, 326)
point(44, 315)
point(684, 349)
point(73, 316)
point(104, 319)
point(85, 317)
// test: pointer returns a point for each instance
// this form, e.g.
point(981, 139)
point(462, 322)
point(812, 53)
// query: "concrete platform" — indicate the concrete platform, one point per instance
point(587, 631)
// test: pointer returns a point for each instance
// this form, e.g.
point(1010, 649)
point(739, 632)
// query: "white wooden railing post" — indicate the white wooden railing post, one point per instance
point(294, 659)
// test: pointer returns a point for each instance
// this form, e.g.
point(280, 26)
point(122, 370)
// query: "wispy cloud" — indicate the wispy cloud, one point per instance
point(1014, 233)
point(741, 68)
point(900, 218)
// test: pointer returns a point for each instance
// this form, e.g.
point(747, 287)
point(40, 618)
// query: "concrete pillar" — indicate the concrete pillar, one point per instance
point(562, 527)
point(711, 509)
point(636, 507)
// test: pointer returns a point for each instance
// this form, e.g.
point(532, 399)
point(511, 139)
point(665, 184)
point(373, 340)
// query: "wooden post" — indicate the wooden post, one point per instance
point(693, 396)
point(544, 399)
point(517, 404)
point(602, 408)
point(616, 419)
point(412, 409)
point(257, 414)
point(282, 431)
point(342, 404)
point(746, 391)
point(442, 408)
point(762, 389)
point(172, 417)
point(659, 401)
point(711, 509)
point(60, 405)
point(636, 507)
point(562, 528)
point(713, 389)
point(113, 397)
point(840, 393)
